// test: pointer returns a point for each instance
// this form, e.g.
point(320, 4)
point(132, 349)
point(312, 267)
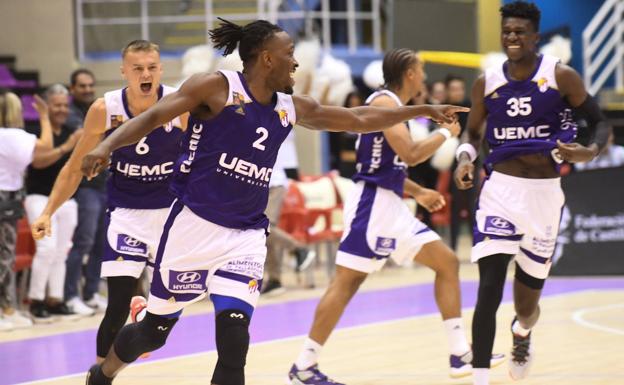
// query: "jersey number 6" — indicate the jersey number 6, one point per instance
point(142, 147)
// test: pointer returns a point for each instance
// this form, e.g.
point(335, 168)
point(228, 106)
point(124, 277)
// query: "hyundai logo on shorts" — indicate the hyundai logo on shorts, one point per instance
point(188, 277)
point(193, 281)
point(132, 242)
point(385, 245)
point(128, 244)
point(500, 222)
point(498, 225)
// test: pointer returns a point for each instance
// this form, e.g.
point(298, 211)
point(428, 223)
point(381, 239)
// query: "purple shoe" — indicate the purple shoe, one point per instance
point(309, 376)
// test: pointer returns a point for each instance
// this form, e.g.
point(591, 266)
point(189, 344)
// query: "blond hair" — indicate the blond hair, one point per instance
point(139, 46)
point(10, 111)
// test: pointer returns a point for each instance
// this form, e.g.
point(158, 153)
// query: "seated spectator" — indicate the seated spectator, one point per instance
point(91, 199)
point(612, 155)
point(18, 150)
point(48, 268)
point(437, 92)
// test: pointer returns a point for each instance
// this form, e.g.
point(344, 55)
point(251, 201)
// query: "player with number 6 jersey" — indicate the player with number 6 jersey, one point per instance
point(138, 187)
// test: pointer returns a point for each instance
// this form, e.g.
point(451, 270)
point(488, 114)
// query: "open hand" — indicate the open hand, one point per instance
point(41, 106)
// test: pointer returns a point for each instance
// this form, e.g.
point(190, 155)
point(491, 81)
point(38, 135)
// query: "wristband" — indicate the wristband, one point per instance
point(466, 147)
point(445, 132)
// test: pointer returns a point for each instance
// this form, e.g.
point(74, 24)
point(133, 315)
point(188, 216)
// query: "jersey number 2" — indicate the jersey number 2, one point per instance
point(264, 134)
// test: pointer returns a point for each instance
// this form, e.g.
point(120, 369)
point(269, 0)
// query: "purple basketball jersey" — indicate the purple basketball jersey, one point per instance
point(140, 172)
point(377, 162)
point(525, 117)
point(223, 174)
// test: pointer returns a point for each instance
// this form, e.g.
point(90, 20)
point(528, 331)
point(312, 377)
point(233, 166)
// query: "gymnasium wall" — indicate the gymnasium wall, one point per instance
point(444, 25)
point(40, 33)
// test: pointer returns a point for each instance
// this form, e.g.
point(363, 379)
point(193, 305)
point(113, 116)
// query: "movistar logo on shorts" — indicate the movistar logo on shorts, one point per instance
point(130, 245)
point(505, 133)
point(187, 280)
point(248, 171)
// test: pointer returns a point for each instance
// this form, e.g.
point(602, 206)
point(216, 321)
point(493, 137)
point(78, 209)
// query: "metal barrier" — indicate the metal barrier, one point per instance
point(158, 19)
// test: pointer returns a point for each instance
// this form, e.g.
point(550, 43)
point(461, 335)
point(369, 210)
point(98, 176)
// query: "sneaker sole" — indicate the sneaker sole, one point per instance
point(455, 374)
point(526, 371)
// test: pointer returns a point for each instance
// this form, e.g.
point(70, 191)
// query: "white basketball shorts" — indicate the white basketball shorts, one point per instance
point(519, 216)
point(379, 225)
point(132, 240)
point(196, 257)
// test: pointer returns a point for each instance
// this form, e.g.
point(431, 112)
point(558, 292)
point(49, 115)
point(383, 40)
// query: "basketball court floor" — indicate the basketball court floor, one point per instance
point(391, 334)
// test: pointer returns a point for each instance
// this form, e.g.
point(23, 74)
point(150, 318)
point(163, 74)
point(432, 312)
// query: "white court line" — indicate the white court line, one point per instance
point(184, 356)
point(577, 316)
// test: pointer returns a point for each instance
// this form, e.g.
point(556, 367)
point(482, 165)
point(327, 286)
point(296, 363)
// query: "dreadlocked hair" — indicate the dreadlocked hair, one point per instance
point(522, 10)
point(395, 63)
point(251, 37)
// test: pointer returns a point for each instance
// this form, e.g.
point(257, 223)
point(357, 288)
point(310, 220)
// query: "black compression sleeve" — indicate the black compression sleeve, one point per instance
point(596, 121)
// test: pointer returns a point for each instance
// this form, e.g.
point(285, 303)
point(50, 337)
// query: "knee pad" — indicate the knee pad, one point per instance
point(232, 330)
point(141, 337)
point(530, 281)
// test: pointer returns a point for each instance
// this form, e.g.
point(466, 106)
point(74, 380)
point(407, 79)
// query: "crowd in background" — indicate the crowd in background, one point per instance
point(65, 272)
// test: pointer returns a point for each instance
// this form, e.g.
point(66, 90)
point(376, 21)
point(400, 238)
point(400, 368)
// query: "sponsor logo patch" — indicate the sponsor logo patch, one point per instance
point(131, 245)
point(187, 280)
point(385, 245)
point(498, 225)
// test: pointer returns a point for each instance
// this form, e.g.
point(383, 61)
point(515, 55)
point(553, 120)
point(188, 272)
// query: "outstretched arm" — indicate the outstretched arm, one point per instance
point(198, 90)
point(368, 118)
point(410, 151)
point(572, 88)
point(467, 151)
point(70, 176)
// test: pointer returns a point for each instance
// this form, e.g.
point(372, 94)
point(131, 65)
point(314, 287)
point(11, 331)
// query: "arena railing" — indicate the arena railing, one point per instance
point(603, 39)
point(273, 10)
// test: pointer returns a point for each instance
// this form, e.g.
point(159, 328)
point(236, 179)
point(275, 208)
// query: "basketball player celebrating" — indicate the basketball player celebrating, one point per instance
point(528, 104)
point(214, 238)
point(378, 225)
point(137, 192)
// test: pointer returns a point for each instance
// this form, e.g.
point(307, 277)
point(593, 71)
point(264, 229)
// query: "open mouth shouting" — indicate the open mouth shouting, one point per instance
point(146, 87)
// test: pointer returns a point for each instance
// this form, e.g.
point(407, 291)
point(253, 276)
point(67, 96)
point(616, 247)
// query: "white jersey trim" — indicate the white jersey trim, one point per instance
point(389, 93)
point(114, 107)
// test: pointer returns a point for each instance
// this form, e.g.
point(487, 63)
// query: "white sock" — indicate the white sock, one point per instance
point(517, 329)
point(309, 354)
point(481, 376)
point(456, 336)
